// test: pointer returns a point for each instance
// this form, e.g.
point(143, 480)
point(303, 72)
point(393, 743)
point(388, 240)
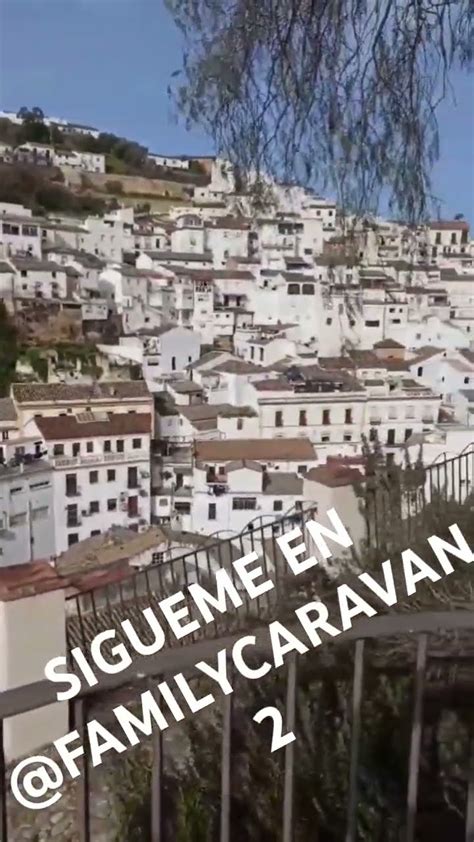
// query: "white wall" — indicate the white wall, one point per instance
point(32, 631)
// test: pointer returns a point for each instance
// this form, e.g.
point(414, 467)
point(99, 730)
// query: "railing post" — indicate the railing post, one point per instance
point(227, 703)
point(289, 751)
point(415, 742)
point(156, 830)
point(3, 790)
point(357, 687)
point(84, 824)
point(470, 792)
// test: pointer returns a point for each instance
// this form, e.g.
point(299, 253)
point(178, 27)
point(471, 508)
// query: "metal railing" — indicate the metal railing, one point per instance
point(423, 629)
point(427, 632)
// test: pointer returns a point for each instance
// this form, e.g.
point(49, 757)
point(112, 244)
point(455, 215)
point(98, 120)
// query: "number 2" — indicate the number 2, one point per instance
point(279, 739)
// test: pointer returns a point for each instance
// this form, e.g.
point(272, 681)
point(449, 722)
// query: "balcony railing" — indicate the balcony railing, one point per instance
point(99, 458)
point(73, 492)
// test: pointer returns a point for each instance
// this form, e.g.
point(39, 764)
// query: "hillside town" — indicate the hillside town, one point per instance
point(190, 372)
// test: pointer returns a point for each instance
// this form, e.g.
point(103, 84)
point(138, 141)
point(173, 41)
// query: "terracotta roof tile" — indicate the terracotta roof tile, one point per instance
point(50, 392)
point(334, 476)
point(64, 427)
point(259, 450)
point(22, 580)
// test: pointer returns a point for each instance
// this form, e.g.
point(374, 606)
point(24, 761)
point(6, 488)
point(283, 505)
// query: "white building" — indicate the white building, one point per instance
point(86, 161)
point(26, 510)
point(101, 472)
point(174, 163)
point(20, 232)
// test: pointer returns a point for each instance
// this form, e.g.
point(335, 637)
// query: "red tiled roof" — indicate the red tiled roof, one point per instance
point(334, 476)
point(263, 450)
point(22, 580)
point(449, 225)
point(61, 427)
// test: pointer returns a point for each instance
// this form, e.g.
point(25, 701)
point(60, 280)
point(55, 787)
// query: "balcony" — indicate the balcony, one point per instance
point(73, 492)
point(213, 478)
point(99, 459)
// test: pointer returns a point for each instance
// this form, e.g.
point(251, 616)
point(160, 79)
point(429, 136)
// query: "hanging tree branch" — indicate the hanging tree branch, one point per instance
point(341, 94)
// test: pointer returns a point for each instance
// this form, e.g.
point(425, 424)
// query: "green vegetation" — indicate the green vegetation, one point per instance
point(8, 350)
point(37, 360)
point(123, 157)
point(41, 189)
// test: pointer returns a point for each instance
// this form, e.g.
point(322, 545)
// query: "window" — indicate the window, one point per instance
point(71, 515)
point(410, 412)
point(211, 511)
point(94, 507)
point(182, 508)
point(391, 437)
point(173, 363)
point(107, 446)
point(392, 413)
point(302, 418)
point(308, 289)
point(329, 321)
point(438, 239)
point(120, 446)
point(278, 505)
point(95, 532)
point(419, 371)
point(90, 447)
point(348, 416)
point(466, 380)
point(408, 433)
point(76, 448)
point(302, 469)
point(261, 355)
point(136, 444)
point(111, 475)
point(326, 416)
point(93, 477)
point(279, 418)
point(396, 321)
point(132, 477)
point(157, 558)
point(4, 435)
point(112, 505)
point(72, 538)
point(372, 323)
point(239, 503)
point(58, 450)
point(24, 273)
point(293, 289)
point(132, 506)
point(347, 437)
point(240, 423)
point(71, 485)
point(325, 439)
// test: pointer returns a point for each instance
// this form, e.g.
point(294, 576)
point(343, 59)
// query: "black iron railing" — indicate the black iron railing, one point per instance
point(103, 608)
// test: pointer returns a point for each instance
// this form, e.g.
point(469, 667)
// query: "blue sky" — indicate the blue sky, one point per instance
point(108, 63)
